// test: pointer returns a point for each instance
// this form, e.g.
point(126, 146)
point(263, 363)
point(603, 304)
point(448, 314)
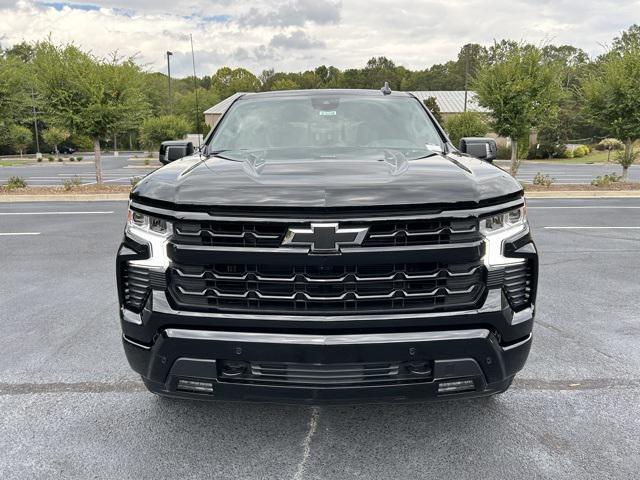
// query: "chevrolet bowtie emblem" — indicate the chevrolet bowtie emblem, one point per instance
point(325, 237)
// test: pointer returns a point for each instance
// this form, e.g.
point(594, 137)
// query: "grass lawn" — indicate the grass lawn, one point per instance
point(10, 163)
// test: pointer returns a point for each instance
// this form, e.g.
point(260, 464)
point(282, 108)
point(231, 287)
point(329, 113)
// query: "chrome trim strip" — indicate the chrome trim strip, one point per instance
point(225, 235)
point(418, 234)
point(299, 339)
point(356, 277)
point(492, 304)
point(187, 215)
point(135, 344)
point(342, 296)
point(519, 344)
point(278, 250)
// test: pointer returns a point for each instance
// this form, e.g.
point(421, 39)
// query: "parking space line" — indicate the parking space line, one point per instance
point(55, 213)
point(530, 207)
point(591, 228)
point(10, 234)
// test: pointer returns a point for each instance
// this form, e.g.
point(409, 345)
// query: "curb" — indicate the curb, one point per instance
point(104, 197)
point(96, 197)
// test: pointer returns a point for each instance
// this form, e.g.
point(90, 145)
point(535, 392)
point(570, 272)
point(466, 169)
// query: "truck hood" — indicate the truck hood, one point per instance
point(438, 179)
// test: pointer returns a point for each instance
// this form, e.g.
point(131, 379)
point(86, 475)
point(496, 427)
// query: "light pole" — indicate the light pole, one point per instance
point(35, 124)
point(169, 78)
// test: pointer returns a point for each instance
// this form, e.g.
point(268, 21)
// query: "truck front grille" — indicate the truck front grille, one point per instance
point(327, 289)
point(382, 233)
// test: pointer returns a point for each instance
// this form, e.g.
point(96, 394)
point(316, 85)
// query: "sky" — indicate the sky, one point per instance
point(296, 35)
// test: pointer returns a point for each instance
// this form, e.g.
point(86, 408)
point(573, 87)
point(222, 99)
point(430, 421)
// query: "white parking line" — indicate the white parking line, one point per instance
point(18, 233)
point(529, 207)
point(55, 213)
point(592, 228)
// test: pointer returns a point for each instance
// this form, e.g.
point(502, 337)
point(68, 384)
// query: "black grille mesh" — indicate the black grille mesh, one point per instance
point(327, 289)
point(136, 286)
point(517, 284)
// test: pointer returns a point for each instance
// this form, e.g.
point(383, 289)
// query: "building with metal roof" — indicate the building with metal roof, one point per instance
point(450, 103)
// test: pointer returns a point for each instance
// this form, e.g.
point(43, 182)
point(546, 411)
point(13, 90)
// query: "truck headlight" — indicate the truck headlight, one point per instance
point(152, 231)
point(498, 228)
point(141, 222)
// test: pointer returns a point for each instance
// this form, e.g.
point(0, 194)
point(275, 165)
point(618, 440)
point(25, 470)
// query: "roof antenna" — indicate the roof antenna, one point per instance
point(195, 88)
point(386, 90)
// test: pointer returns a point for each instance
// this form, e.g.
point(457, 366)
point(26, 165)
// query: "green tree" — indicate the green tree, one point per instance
point(14, 93)
point(432, 104)
point(55, 136)
point(613, 102)
point(89, 95)
point(185, 106)
point(227, 81)
point(20, 137)
point(155, 130)
point(284, 84)
point(521, 89)
point(466, 124)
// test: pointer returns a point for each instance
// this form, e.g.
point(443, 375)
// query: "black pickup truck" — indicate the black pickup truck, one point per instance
point(327, 246)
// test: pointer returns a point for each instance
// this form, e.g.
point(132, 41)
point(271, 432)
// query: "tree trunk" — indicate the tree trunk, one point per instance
point(627, 159)
point(97, 159)
point(515, 163)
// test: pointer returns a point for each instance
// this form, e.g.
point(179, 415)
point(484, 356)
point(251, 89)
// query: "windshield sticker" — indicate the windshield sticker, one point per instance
point(433, 148)
point(328, 112)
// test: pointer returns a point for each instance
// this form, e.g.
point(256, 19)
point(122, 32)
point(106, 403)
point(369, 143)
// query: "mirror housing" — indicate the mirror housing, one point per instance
point(482, 148)
point(173, 150)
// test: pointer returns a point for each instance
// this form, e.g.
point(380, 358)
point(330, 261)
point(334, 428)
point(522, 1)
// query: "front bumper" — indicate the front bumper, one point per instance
point(473, 356)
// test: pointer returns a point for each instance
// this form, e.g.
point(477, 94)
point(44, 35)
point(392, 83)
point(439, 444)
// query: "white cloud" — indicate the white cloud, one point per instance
point(301, 34)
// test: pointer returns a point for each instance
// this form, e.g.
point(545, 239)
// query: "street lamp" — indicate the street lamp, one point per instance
point(169, 77)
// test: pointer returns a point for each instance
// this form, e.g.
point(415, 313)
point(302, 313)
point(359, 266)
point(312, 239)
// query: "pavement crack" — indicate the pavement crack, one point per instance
point(313, 425)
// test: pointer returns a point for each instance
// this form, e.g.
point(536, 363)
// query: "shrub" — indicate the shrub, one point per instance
point(156, 130)
point(580, 151)
point(467, 124)
point(39, 159)
point(79, 159)
point(16, 182)
point(51, 158)
point(134, 181)
point(60, 159)
point(610, 144)
point(567, 153)
point(543, 180)
point(503, 152)
point(72, 159)
point(146, 161)
point(606, 180)
point(72, 182)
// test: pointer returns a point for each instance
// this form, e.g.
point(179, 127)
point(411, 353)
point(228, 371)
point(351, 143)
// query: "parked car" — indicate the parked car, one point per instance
point(327, 246)
point(64, 150)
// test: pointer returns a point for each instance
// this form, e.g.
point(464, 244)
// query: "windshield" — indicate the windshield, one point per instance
point(315, 126)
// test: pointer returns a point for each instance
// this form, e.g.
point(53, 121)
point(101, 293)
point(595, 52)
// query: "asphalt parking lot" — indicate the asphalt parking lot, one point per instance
point(121, 169)
point(71, 408)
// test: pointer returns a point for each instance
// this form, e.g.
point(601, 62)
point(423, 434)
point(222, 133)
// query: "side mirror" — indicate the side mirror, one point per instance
point(482, 148)
point(174, 150)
